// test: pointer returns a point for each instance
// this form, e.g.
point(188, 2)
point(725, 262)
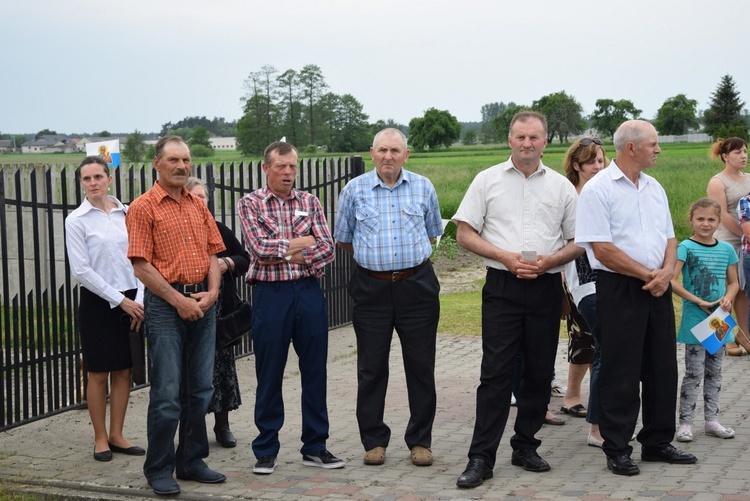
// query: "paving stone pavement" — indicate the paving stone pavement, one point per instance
point(52, 458)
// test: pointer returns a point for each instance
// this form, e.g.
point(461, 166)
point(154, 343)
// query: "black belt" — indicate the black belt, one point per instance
point(187, 289)
point(395, 275)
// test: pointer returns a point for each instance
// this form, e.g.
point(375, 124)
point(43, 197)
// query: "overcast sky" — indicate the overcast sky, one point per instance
point(86, 66)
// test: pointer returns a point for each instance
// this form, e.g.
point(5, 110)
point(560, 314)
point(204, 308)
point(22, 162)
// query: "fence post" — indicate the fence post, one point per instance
point(358, 166)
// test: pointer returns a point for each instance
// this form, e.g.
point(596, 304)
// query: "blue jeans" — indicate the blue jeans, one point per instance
point(181, 362)
point(587, 309)
point(290, 312)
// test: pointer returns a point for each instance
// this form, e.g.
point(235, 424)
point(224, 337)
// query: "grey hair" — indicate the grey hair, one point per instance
point(631, 131)
point(389, 130)
point(193, 181)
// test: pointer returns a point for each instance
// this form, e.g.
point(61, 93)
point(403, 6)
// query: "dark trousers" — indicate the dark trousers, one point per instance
point(412, 307)
point(516, 314)
point(284, 312)
point(637, 344)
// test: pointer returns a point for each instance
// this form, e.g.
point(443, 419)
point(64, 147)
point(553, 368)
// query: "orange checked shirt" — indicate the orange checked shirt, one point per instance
point(177, 238)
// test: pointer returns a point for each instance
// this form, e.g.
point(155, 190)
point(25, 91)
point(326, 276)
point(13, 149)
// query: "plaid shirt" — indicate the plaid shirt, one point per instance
point(389, 228)
point(269, 223)
point(177, 238)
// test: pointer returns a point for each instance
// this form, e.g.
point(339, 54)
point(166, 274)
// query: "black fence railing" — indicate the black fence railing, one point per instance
point(40, 352)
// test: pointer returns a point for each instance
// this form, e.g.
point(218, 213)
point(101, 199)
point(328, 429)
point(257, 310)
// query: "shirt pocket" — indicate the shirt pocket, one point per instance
point(269, 225)
point(413, 217)
point(301, 226)
point(368, 225)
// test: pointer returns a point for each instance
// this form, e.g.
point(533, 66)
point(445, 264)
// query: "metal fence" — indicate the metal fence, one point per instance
point(40, 349)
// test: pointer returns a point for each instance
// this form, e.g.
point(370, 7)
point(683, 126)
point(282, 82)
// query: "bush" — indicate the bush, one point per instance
point(310, 148)
point(201, 151)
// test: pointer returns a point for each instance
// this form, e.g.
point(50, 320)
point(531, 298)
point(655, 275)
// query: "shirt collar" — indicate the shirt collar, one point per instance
point(375, 181)
point(616, 173)
point(86, 205)
point(541, 170)
point(161, 193)
point(268, 195)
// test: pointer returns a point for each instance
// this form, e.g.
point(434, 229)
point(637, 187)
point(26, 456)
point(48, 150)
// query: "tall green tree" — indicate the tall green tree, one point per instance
point(313, 85)
point(135, 147)
point(435, 129)
point(724, 117)
point(676, 116)
point(501, 123)
point(609, 114)
point(259, 125)
point(470, 137)
point(563, 115)
point(289, 94)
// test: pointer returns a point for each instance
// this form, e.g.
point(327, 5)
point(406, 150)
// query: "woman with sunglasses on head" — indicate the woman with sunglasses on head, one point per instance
point(110, 304)
point(728, 187)
point(233, 262)
point(584, 159)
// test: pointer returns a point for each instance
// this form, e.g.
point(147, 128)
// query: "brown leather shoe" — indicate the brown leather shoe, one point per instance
point(421, 456)
point(375, 456)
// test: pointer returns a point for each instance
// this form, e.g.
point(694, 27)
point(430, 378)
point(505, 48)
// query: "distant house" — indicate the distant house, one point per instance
point(223, 143)
point(52, 143)
point(6, 145)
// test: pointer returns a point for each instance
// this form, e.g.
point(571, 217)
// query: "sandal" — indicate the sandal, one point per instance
point(577, 410)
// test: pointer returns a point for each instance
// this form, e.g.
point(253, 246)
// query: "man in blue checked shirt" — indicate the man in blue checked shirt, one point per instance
point(388, 219)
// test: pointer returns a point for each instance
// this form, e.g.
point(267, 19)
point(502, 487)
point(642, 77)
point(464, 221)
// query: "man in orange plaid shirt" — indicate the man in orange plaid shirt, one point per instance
point(173, 242)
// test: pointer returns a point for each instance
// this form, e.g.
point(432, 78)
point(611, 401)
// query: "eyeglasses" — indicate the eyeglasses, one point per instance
point(588, 140)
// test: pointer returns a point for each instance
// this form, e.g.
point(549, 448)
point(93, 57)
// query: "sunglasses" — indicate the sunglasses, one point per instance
point(588, 140)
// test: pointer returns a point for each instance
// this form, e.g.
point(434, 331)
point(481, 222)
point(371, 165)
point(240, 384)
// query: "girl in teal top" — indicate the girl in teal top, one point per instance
point(709, 281)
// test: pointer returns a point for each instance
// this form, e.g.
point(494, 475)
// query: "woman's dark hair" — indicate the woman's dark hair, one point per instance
point(92, 159)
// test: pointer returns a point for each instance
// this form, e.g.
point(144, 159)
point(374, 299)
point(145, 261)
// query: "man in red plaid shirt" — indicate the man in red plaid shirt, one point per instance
point(286, 233)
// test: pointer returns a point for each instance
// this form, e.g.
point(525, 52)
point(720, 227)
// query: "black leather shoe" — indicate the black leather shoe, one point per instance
point(130, 451)
point(530, 460)
point(226, 438)
point(165, 486)
point(476, 472)
point(103, 455)
point(622, 465)
point(670, 454)
point(204, 476)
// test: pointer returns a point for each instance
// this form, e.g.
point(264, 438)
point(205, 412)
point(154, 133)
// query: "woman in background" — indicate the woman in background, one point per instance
point(727, 187)
point(583, 160)
point(233, 261)
point(97, 243)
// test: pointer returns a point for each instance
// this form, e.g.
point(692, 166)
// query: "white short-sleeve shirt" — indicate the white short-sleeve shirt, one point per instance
point(636, 219)
point(517, 213)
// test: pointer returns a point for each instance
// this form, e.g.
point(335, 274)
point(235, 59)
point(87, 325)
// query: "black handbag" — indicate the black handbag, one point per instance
point(137, 356)
point(232, 326)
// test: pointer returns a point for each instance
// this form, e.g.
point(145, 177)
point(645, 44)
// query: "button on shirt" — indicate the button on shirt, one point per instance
point(97, 245)
point(177, 238)
point(635, 219)
point(516, 213)
point(389, 228)
point(268, 223)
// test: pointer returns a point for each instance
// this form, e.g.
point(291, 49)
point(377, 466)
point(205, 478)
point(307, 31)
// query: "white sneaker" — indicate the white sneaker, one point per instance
point(685, 435)
point(558, 389)
point(720, 431)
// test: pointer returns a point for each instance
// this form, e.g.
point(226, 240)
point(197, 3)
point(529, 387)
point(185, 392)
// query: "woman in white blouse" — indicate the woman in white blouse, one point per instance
point(97, 243)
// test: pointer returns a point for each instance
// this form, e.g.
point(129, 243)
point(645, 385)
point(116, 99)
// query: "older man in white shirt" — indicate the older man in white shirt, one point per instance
point(623, 222)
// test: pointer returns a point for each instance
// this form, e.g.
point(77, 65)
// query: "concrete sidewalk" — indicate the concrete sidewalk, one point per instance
point(52, 458)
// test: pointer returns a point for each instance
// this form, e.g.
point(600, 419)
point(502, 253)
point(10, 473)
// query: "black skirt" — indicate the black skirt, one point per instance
point(104, 333)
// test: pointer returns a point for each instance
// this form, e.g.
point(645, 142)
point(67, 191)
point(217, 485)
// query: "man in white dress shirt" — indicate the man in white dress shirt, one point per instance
point(623, 222)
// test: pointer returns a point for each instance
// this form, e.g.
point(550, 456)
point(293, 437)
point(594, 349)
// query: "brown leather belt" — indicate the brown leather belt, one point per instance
point(397, 275)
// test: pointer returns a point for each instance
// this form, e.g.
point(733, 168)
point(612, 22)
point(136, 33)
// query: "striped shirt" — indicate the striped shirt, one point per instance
point(177, 238)
point(389, 228)
point(268, 224)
